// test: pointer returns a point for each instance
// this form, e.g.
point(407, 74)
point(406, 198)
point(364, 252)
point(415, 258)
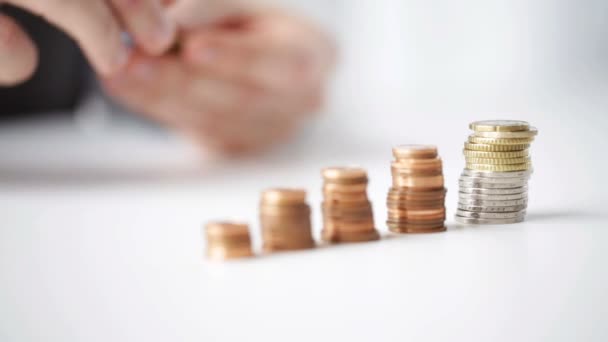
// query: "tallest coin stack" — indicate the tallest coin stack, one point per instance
point(494, 184)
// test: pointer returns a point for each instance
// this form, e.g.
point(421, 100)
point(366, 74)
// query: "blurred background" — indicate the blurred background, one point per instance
point(99, 197)
point(413, 71)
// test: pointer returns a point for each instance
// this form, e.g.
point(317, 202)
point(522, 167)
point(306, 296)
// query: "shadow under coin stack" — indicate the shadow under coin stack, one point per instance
point(347, 212)
point(227, 240)
point(494, 184)
point(285, 220)
point(416, 201)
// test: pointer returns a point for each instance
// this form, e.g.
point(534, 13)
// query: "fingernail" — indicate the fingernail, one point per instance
point(165, 32)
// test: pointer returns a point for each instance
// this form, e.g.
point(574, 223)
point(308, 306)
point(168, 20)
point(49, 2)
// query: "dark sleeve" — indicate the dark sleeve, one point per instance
point(59, 81)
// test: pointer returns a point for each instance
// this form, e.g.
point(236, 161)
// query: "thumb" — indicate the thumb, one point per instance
point(18, 55)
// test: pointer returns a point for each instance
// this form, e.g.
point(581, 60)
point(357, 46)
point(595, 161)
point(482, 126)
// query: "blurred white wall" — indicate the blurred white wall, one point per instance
point(426, 61)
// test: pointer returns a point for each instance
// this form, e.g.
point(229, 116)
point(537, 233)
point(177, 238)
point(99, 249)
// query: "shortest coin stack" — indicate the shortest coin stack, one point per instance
point(347, 212)
point(227, 240)
point(285, 220)
point(416, 201)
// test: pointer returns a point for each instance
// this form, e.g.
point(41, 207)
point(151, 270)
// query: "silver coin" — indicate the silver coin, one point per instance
point(469, 179)
point(485, 203)
point(488, 209)
point(492, 185)
point(480, 191)
point(492, 197)
point(469, 220)
point(473, 214)
point(489, 174)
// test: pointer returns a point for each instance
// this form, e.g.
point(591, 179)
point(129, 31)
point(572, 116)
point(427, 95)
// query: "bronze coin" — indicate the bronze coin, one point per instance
point(283, 196)
point(415, 151)
point(414, 230)
point(340, 174)
point(409, 191)
point(432, 182)
point(344, 188)
point(225, 228)
point(337, 237)
point(397, 172)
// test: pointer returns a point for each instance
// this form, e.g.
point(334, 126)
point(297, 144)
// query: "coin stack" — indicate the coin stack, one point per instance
point(285, 220)
point(347, 212)
point(227, 240)
point(494, 184)
point(416, 201)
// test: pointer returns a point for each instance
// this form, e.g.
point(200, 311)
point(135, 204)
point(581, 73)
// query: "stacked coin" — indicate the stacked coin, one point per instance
point(285, 220)
point(227, 240)
point(416, 201)
point(494, 184)
point(347, 212)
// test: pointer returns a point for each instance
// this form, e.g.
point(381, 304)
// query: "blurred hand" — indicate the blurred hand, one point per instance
point(96, 25)
point(238, 85)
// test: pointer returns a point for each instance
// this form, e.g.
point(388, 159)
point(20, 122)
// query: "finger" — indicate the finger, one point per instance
point(247, 57)
point(151, 85)
point(91, 23)
point(18, 55)
point(148, 86)
point(147, 22)
point(192, 14)
point(266, 60)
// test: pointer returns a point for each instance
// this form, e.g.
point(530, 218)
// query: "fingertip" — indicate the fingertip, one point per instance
point(149, 23)
point(18, 53)
point(161, 39)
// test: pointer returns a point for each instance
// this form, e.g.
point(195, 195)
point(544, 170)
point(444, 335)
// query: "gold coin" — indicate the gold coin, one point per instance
point(495, 148)
point(499, 168)
point(508, 135)
point(499, 126)
point(493, 141)
point(496, 155)
point(415, 151)
point(284, 196)
point(497, 161)
point(344, 173)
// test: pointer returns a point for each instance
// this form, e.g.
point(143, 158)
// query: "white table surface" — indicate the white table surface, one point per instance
point(100, 240)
